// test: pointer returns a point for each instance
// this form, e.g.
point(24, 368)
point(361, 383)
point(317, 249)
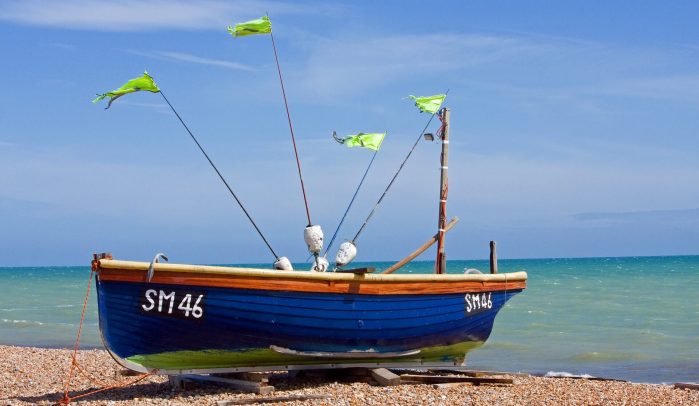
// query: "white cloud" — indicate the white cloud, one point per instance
point(135, 15)
point(184, 57)
point(373, 61)
point(524, 67)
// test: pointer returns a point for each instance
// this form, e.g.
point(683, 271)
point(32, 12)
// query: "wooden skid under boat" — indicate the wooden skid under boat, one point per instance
point(212, 318)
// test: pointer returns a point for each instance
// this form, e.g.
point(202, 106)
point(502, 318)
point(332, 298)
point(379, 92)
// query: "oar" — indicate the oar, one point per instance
point(420, 250)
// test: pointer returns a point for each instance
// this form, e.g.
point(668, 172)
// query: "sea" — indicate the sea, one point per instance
point(633, 318)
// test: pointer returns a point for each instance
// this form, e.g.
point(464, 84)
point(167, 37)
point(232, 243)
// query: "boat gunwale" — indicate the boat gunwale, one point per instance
point(518, 276)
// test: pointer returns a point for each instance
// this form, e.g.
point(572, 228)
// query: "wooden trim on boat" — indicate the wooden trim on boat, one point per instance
point(305, 281)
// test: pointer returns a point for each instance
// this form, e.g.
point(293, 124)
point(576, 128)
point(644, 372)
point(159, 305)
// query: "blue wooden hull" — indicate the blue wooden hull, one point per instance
point(238, 327)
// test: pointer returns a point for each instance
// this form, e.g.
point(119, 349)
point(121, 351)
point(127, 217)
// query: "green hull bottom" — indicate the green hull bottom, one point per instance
point(215, 359)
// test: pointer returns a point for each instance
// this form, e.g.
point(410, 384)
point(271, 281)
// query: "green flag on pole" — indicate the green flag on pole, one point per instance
point(370, 141)
point(259, 26)
point(144, 82)
point(429, 104)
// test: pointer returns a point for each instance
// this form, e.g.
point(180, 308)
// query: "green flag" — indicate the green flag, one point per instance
point(145, 82)
point(429, 104)
point(260, 26)
point(371, 141)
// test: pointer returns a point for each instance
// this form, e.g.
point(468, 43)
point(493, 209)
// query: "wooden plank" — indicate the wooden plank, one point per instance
point(385, 377)
point(239, 384)
point(420, 250)
point(450, 379)
point(272, 399)
point(140, 268)
point(692, 386)
point(358, 271)
point(447, 285)
point(261, 377)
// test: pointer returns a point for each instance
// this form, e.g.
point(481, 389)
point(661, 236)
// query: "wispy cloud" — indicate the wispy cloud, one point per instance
point(136, 15)
point(373, 61)
point(186, 57)
point(62, 46)
point(522, 67)
point(183, 57)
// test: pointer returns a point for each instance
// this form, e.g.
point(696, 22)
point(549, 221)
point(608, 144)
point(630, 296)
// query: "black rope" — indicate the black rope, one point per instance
point(395, 176)
point(220, 176)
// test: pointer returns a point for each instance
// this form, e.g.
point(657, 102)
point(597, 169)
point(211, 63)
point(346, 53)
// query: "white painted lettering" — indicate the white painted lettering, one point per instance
point(197, 311)
point(163, 296)
point(151, 305)
point(188, 308)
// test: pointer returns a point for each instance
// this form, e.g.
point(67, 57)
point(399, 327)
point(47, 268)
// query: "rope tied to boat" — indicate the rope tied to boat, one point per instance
point(75, 366)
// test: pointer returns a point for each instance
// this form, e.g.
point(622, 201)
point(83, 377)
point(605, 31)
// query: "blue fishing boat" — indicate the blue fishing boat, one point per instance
point(183, 319)
point(180, 319)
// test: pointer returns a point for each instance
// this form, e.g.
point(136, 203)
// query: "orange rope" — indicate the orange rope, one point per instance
point(89, 377)
point(77, 339)
point(75, 366)
point(67, 399)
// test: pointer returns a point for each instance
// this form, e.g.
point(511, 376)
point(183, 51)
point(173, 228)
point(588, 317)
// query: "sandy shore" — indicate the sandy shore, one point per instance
point(37, 376)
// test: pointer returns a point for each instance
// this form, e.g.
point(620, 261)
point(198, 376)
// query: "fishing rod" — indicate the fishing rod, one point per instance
point(353, 197)
point(313, 235)
point(348, 249)
point(291, 130)
point(276, 257)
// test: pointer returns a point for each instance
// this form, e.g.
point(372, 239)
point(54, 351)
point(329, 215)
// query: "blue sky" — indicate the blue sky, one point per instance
point(574, 127)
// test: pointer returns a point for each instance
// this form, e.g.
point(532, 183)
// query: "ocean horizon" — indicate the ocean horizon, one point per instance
point(632, 318)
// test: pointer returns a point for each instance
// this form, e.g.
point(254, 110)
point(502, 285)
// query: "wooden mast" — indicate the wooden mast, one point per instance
point(441, 262)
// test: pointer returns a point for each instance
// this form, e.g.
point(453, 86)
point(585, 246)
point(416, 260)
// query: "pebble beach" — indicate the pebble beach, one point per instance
point(38, 375)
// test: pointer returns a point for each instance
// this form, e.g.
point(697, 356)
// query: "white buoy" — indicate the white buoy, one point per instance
point(320, 264)
point(472, 271)
point(313, 236)
point(346, 253)
point(283, 264)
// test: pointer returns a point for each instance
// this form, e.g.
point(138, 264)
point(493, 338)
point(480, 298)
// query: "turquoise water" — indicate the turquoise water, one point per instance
point(628, 318)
